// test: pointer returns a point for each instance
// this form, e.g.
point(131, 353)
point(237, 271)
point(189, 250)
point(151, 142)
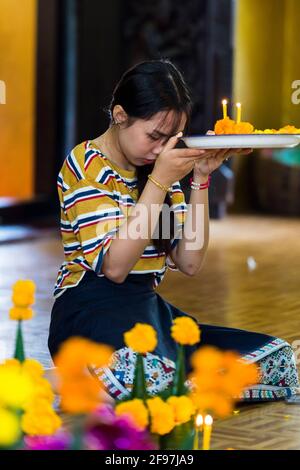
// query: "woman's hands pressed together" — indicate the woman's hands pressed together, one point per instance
point(174, 164)
point(215, 158)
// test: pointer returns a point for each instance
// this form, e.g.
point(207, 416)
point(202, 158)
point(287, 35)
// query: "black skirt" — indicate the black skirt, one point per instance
point(102, 310)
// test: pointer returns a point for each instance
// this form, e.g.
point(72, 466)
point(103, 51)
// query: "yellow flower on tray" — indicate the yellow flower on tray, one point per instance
point(243, 128)
point(40, 420)
point(228, 126)
point(10, 431)
point(183, 408)
point(142, 338)
point(136, 409)
point(23, 293)
point(288, 130)
point(20, 313)
point(185, 331)
point(265, 131)
point(161, 416)
point(224, 126)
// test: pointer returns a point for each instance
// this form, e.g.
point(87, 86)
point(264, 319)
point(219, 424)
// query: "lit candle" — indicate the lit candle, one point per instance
point(198, 428)
point(207, 432)
point(224, 103)
point(238, 113)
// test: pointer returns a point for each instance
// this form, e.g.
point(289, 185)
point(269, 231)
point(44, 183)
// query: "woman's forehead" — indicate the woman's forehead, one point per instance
point(166, 122)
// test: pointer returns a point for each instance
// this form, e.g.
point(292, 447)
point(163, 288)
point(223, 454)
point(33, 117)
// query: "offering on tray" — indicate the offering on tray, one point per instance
point(241, 134)
point(229, 126)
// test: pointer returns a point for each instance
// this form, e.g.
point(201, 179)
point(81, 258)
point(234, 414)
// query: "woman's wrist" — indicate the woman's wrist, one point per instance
point(161, 179)
point(200, 178)
point(200, 184)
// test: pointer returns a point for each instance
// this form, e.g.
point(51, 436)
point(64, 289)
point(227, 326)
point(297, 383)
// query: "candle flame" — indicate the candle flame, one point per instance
point(208, 420)
point(224, 102)
point(238, 105)
point(199, 420)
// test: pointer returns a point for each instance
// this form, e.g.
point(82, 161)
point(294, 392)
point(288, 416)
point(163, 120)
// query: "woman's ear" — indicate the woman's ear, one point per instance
point(119, 114)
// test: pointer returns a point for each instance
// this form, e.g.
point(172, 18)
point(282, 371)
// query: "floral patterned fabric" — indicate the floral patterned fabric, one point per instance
point(278, 379)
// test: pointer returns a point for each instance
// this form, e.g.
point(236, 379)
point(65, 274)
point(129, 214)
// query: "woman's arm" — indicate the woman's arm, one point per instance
point(126, 250)
point(186, 257)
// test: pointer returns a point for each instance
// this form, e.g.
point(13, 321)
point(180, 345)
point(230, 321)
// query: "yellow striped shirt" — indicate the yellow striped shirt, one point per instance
point(95, 198)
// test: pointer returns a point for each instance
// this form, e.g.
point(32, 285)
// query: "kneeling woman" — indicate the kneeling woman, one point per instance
point(109, 185)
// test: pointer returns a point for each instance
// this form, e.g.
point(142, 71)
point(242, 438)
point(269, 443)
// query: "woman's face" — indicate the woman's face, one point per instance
point(143, 141)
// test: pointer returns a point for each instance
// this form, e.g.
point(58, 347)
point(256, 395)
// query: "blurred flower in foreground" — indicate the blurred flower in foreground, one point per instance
point(136, 409)
point(60, 441)
point(23, 298)
point(183, 408)
point(219, 379)
point(162, 416)
point(40, 419)
point(80, 391)
point(185, 331)
point(10, 431)
point(142, 338)
point(106, 431)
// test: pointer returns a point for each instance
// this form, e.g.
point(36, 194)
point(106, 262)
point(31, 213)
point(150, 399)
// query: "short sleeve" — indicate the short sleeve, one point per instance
point(95, 218)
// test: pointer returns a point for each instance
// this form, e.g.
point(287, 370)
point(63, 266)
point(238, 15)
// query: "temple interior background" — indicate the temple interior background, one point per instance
point(59, 61)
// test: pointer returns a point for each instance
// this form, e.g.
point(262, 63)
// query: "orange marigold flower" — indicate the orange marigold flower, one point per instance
point(142, 338)
point(162, 416)
point(81, 395)
point(183, 408)
point(136, 410)
point(237, 374)
point(221, 376)
point(23, 293)
point(77, 353)
point(20, 313)
point(185, 331)
point(207, 358)
point(40, 420)
point(80, 391)
point(224, 126)
point(243, 128)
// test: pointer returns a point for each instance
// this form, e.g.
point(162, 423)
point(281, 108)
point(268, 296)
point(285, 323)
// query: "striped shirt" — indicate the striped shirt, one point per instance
point(94, 200)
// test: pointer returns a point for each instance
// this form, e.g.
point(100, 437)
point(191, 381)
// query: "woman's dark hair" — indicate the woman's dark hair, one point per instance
point(144, 90)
